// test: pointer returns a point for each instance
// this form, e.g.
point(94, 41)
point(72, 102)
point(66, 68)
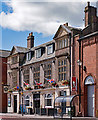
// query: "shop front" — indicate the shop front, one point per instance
point(13, 102)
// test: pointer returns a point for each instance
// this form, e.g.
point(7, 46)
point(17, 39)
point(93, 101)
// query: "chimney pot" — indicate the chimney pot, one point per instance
point(88, 3)
point(66, 24)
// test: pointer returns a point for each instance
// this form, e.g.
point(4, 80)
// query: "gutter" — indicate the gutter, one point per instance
point(87, 36)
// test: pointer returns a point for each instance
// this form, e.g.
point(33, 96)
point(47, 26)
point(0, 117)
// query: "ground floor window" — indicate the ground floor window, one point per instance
point(48, 99)
point(27, 100)
point(62, 93)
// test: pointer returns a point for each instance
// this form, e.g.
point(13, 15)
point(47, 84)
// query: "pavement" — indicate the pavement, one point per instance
point(14, 116)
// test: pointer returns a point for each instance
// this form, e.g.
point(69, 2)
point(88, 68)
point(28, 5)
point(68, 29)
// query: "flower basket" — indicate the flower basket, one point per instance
point(53, 84)
point(28, 88)
point(10, 90)
point(15, 88)
point(65, 82)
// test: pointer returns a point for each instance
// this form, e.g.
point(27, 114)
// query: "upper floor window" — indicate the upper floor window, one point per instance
point(38, 53)
point(36, 74)
point(47, 71)
point(50, 49)
point(62, 69)
point(62, 43)
point(14, 59)
point(14, 78)
point(26, 76)
point(66, 42)
point(29, 55)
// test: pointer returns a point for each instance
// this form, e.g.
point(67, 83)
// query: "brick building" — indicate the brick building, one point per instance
point(57, 60)
point(3, 79)
point(86, 53)
point(33, 65)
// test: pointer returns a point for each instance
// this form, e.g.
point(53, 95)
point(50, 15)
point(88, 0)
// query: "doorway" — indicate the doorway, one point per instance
point(90, 100)
point(36, 101)
point(15, 103)
point(89, 83)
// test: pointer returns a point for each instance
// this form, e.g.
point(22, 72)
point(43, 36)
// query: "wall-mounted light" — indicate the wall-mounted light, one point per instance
point(79, 62)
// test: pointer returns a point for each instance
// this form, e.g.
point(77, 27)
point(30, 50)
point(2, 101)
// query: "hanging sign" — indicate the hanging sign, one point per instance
point(5, 88)
point(74, 84)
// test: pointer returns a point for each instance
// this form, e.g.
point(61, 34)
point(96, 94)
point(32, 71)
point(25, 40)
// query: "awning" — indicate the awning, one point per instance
point(63, 99)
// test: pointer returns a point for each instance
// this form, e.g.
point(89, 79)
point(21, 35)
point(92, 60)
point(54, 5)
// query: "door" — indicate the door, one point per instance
point(90, 100)
point(15, 103)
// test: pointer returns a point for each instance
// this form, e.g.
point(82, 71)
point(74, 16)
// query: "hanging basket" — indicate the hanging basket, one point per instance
point(28, 88)
point(65, 82)
point(10, 91)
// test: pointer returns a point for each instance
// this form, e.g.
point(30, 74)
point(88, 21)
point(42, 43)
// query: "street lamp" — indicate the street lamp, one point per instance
point(22, 99)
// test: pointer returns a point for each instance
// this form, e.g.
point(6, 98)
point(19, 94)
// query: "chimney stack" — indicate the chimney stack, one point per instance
point(90, 14)
point(30, 40)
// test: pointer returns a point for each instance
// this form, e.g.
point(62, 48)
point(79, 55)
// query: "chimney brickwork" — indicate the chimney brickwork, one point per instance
point(90, 14)
point(30, 40)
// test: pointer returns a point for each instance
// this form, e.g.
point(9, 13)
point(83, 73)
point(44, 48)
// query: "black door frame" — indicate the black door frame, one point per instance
point(15, 103)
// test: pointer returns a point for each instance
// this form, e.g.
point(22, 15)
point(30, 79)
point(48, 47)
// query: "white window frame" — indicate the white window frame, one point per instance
point(27, 99)
point(28, 56)
point(48, 98)
point(38, 53)
point(50, 49)
point(65, 42)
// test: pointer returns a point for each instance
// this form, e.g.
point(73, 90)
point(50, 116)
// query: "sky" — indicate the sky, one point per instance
point(20, 17)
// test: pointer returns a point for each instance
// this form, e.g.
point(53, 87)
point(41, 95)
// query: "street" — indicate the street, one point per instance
point(7, 116)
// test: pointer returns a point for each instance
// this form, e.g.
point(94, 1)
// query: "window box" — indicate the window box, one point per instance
point(65, 82)
point(10, 90)
point(28, 88)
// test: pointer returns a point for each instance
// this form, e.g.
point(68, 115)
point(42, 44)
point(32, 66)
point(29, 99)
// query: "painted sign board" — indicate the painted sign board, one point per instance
point(74, 84)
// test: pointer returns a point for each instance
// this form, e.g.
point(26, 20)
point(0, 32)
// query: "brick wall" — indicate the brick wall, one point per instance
point(89, 55)
point(3, 79)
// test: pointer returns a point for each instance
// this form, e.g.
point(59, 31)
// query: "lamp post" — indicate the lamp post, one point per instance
point(22, 99)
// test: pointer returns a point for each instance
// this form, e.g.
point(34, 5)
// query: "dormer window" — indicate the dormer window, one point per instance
point(38, 53)
point(50, 49)
point(29, 55)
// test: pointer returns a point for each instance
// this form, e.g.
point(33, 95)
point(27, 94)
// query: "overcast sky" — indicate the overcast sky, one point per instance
point(41, 17)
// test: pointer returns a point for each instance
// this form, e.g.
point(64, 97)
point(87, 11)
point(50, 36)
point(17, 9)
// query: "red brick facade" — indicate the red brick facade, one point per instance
point(3, 79)
point(89, 58)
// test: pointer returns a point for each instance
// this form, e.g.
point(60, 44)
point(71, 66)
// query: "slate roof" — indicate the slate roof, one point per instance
point(4, 53)
point(21, 49)
point(42, 45)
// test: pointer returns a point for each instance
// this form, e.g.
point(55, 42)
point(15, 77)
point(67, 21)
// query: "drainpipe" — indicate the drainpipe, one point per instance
point(70, 59)
point(79, 76)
